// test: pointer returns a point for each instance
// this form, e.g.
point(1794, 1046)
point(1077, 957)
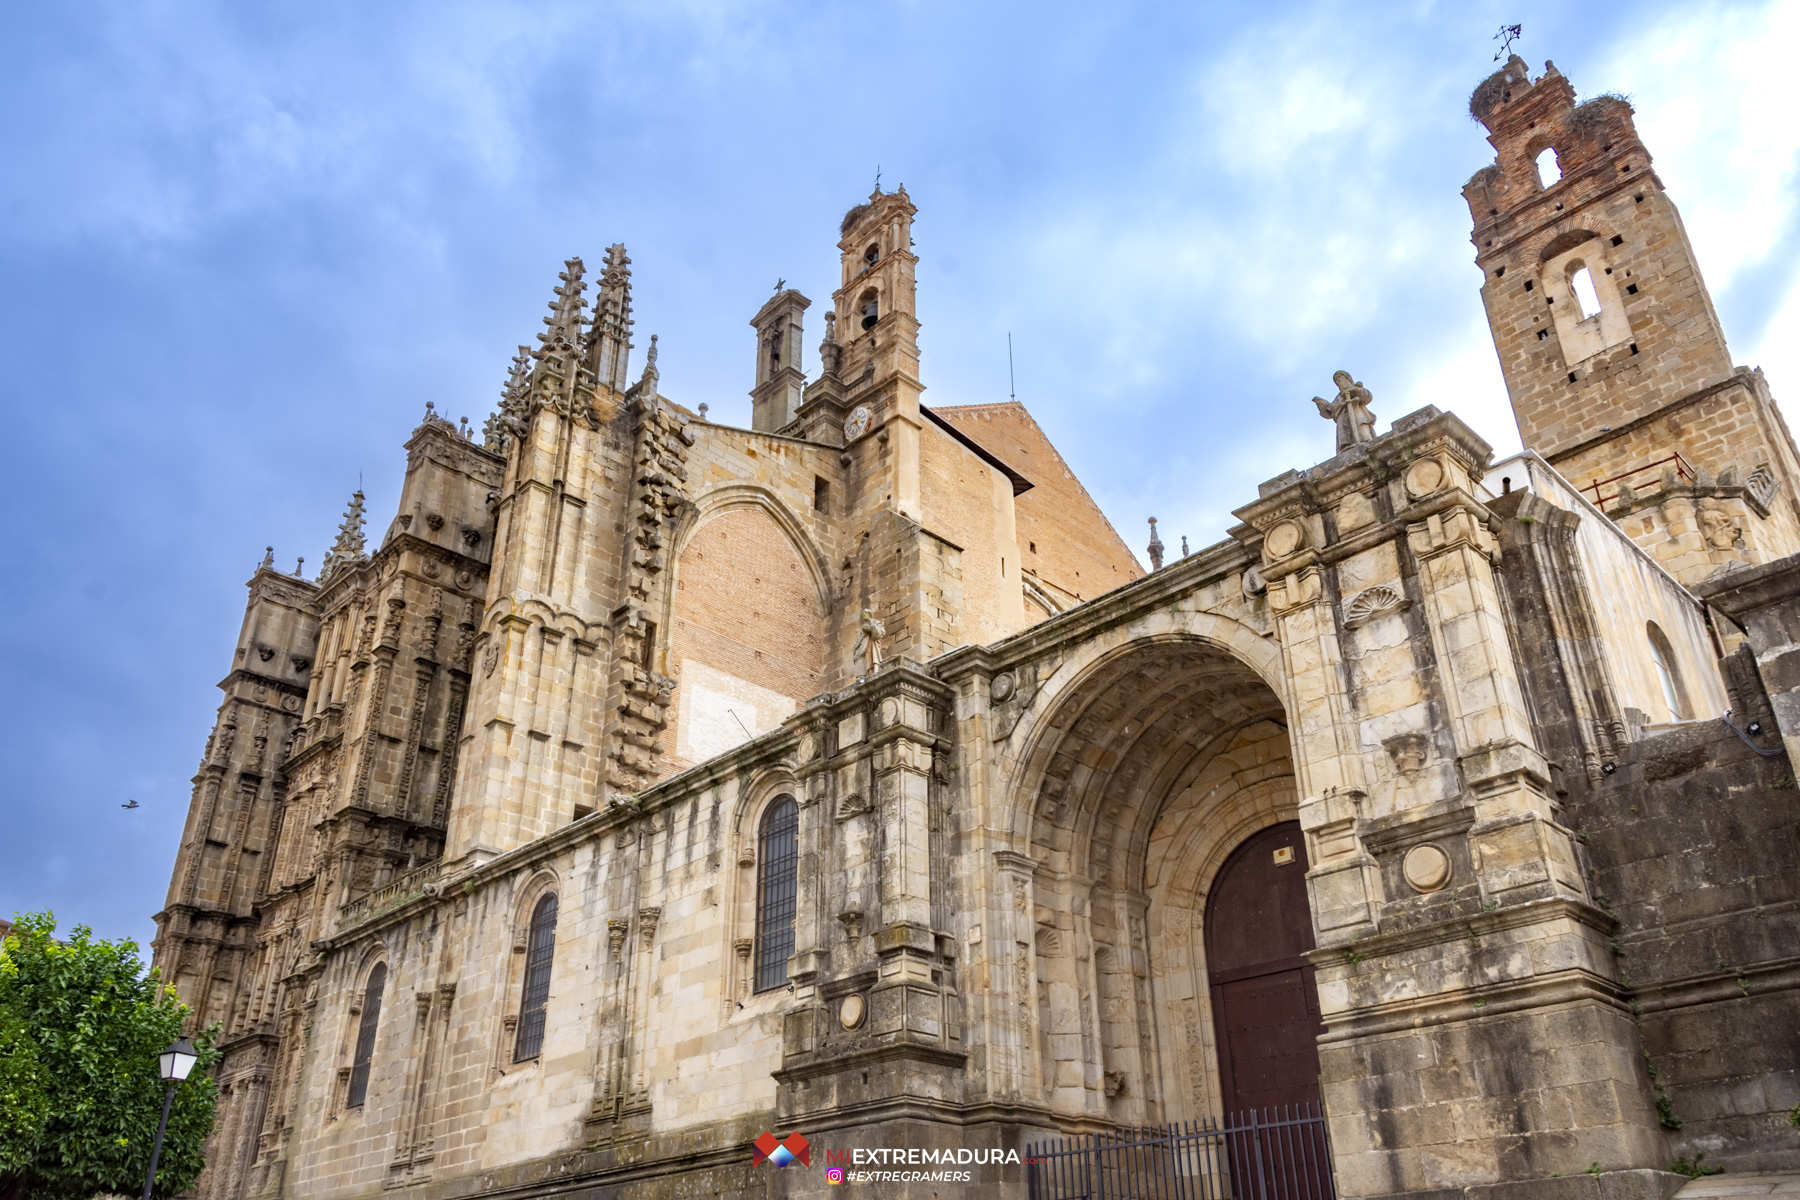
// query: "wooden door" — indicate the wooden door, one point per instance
point(1265, 1006)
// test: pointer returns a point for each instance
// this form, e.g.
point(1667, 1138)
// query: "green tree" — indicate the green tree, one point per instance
point(81, 1024)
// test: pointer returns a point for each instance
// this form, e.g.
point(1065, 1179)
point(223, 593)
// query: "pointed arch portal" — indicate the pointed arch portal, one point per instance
point(1169, 982)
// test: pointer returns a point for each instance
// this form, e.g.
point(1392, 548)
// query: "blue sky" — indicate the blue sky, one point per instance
point(244, 244)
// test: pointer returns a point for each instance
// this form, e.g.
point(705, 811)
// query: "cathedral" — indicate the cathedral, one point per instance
point(658, 808)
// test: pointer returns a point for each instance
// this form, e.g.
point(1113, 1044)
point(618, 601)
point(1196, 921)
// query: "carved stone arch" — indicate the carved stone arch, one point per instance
point(1039, 595)
point(728, 496)
point(1033, 740)
point(542, 878)
point(1549, 243)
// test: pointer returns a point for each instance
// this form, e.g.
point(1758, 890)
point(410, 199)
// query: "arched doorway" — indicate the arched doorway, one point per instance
point(1264, 1003)
point(1152, 768)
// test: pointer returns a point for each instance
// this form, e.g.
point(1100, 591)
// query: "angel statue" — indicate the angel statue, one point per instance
point(867, 651)
point(1355, 423)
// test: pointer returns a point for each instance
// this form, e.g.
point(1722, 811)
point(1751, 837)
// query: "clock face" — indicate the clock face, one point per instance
point(857, 423)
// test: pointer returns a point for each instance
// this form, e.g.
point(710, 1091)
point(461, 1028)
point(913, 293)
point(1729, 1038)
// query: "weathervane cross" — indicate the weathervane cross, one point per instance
point(1506, 37)
point(780, 283)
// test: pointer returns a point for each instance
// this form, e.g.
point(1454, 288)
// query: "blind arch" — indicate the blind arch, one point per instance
point(365, 1038)
point(777, 880)
point(534, 993)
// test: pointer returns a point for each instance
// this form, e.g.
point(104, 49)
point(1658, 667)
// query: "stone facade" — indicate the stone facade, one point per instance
point(891, 668)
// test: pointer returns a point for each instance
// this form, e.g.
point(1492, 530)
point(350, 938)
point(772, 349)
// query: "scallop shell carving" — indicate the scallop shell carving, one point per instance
point(1377, 601)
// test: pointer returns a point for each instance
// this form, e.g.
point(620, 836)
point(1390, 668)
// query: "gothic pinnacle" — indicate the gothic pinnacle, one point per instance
point(1155, 547)
point(349, 545)
point(564, 322)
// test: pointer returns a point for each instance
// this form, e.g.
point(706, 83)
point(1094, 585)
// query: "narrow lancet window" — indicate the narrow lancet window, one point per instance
point(1663, 655)
point(778, 857)
point(1581, 282)
point(539, 953)
point(365, 1037)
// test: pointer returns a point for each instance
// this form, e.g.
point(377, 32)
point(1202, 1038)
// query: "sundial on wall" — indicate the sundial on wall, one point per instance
point(857, 423)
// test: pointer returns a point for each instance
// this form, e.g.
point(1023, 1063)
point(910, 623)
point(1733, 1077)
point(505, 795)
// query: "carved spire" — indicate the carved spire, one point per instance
point(563, 327)
point(609, 340)
point(268, 561)
point(348, 549)
point(505, 423)
point(1155, 547)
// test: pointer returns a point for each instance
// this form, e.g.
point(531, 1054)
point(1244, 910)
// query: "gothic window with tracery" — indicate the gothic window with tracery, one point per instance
point(777, 878)
point(365, 1037)
point(540, 952)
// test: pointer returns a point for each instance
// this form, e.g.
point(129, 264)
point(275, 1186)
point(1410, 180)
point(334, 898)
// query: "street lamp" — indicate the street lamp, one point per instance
point(173, 1065)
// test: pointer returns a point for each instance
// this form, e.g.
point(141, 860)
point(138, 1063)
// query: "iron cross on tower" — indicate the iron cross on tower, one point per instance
point(1506, 37)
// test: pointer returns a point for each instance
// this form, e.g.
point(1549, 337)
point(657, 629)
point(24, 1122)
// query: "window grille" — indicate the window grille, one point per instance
point(540, 950)
point(778, 857)
point(365, 1037)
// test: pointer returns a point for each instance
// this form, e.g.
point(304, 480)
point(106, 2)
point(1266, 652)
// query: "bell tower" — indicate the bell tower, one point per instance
point(877, 355)
point(775, 400)
point(1613, 356)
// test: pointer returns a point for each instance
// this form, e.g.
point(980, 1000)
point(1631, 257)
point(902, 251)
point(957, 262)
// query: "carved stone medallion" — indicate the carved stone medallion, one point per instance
point(1284, 539)
point(1424, 477)
point(857, 423)
point(1426, 868)
point(1002, 688)
point(850, 1012)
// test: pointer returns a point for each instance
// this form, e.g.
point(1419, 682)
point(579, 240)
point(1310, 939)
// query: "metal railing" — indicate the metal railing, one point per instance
point(391, 894)
point(1683, 470)
point(1281, 1153)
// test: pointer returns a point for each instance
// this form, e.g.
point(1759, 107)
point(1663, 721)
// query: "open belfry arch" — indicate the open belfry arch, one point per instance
point(650, 784)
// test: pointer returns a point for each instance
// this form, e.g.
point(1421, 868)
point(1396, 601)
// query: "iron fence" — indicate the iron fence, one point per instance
point(1281, 1153)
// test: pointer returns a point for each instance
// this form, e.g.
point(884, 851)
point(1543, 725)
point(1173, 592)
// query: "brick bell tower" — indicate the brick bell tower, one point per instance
point(1614, 358)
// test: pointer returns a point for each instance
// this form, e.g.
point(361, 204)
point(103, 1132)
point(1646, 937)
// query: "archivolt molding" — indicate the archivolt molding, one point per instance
point(1036, 732)
point(728, 496)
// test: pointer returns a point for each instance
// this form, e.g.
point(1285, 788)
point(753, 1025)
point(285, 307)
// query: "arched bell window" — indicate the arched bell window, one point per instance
point(777, 878)
point(1549, 167)
point(540, 952)
point(365, 1037)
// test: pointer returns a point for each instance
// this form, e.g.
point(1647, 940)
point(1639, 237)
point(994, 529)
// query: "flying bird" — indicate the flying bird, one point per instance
point(129, 804)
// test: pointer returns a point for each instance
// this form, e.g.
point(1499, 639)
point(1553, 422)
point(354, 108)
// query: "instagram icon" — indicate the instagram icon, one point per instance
point(834, 1175)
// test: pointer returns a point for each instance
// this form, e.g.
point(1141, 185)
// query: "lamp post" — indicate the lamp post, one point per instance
point(173, 1065)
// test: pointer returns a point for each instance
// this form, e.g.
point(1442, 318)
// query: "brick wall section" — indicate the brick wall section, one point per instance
point(1077, 548)
point(744, 604)
point(970, 503)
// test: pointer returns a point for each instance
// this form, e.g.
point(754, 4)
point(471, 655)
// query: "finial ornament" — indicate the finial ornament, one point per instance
point(268, 561)
point(1155, 547)
point(1350, 409)
point(1184, 549)
point(703, 412)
